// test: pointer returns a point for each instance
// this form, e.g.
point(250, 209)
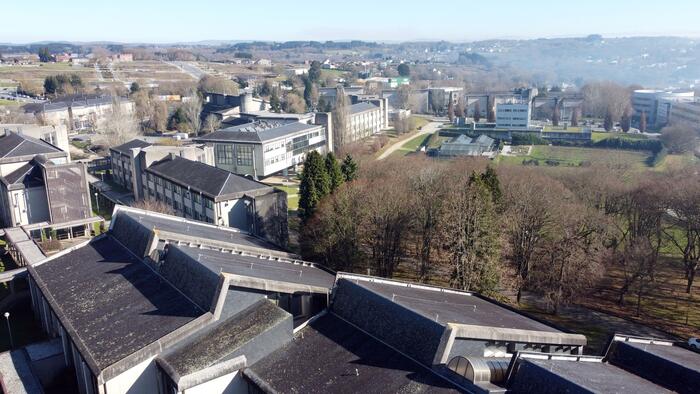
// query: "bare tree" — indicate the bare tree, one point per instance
point(119, 127)
point(193, 112)
point(341, 117)
point(154, 206)
point(211, 123)
point(680, 138)
point(403, 96)
point(159, 116)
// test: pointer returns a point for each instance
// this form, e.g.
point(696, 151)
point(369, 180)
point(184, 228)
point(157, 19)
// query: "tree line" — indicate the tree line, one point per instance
point(554, 233)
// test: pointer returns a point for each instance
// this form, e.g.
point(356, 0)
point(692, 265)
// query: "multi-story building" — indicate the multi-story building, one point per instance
point(39, 184)
point(366, 118)
point(513, 115)
point(79, 113)
point(685, 112)
point(263, 148)
point(131, 159)
point(198, 191)
point(54, 135)
point(656, 104)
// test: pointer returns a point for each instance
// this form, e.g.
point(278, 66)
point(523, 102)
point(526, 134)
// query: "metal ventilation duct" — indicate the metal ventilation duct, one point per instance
point(480, 369)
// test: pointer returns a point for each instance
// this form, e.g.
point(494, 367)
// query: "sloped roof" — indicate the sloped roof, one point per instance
point(331, 356)
point(128, 146)
point(214, 182)
point(17, 145)
point(225, 341)
point(111, 303)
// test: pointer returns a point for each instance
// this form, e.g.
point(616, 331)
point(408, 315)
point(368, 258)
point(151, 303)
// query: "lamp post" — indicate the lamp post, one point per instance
point(97, 201)
point(9, 329)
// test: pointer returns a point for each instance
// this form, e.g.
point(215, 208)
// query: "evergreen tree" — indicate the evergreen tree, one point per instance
point(490, 113)
point(315, 72)
point(308, 94)
point(315, 184)
point(335, 174)
point(477, 112)
point(490, 179)
point(608, 121)
point(134, 87)
point(451, 111)
point(349, 169)
point(626, 122)
point(404, 70)
point(556, 115)
point(50, 85)
point(574, 117)
point(643, 122)
point(45, 55)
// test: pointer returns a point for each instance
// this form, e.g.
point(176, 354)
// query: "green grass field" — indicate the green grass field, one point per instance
point(412, 145)
point(575, 156)
point(8, 102)
point(598, 136)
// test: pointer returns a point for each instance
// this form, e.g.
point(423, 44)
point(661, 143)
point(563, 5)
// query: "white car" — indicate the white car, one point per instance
point(694, 343)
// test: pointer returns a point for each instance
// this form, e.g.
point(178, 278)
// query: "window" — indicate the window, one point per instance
point(176, 205)
point(188, 211)
point(176, 189)
point(167, 185)
point(244, 155)
point(196, 198)
point(223, 154)
point(209, 203)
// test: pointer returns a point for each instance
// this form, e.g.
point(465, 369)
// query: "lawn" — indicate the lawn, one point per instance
point(412, 145)
point(599, 136)
point(576, 156)
point(292, 196)
point(8, 102)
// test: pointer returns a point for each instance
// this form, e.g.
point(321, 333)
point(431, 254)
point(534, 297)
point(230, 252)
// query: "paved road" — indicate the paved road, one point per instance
point(429, 128)
point(189, 68)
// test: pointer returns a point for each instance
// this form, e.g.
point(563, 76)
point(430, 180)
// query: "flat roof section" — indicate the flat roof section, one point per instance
point(450, 306)
point(676, 354)
point(191, 229)
point(332, 356)
point(551, 376)
point(110, 301)
point(304, 274)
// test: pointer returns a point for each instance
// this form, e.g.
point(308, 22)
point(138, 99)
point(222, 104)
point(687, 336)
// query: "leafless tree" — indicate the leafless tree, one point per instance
point(193, 111)
point(154, 206)
point(119, 127)
point(211, 123)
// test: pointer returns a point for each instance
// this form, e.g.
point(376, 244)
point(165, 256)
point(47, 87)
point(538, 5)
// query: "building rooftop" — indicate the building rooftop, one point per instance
point(18, 145)
point(111, 303)
point(449, 306)
point(259, 131)
point(362, 107)
point(215, 182)
point(225, 341)
point(331, 355)
point(264, 272)
point(192, 232)
point(552, 376)
point(126, 148)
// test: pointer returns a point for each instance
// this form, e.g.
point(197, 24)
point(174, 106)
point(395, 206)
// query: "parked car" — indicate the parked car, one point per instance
point(694, 343)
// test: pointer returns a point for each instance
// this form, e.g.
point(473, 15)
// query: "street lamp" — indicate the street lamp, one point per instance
point(97, 201)
point(9, 329)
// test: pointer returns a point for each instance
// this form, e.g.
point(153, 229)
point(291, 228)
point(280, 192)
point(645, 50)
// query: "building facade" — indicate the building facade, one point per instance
point(657, 104)
point(514, 115)
point(131, 159)
point(263, 148)
point(78, 113)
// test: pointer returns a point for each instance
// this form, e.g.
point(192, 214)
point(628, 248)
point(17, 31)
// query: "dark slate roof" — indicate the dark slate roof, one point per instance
point(225, 341)
point(212, 181)
point(362, 107)
point(257, 132)
point(16, 145)
point(278, 270)
point(332, 356)
point(18, 176)
point(111, 303)
point(452, 306)
point(187, 228)
point(135, 143)
point(550, 376)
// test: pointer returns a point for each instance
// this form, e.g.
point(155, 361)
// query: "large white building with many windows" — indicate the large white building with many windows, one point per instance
point(263, 148)
point(513, 115)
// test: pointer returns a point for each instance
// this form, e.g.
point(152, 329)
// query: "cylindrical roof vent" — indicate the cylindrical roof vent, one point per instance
point(480, 369)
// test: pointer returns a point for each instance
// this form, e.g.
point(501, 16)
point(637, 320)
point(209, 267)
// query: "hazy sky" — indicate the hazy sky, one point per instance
point(457, 20)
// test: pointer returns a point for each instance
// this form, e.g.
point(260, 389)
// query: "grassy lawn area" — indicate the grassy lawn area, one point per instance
point(8, 102)
point(569, 129)
point(675, 162)
point(575, 156)
point(412, 145)
point(292, 196)
point(599, 136)
point(418, 122)
point(332, 73)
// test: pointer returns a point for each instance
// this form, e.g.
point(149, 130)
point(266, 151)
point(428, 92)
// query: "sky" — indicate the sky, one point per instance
point(158, 21)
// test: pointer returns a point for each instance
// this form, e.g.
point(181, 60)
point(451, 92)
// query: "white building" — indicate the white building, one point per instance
point(656, 104)
point(514, 115)
point(685, 112)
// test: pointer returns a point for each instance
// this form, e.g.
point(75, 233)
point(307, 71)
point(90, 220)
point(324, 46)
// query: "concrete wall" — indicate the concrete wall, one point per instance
point(140, 379)
point(227, 384)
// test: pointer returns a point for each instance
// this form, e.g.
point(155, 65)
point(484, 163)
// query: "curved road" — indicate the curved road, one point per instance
point(429, 128)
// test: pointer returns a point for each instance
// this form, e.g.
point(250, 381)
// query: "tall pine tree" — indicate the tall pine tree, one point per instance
point(334, 172)
point(349, 169)
point(315, 184)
